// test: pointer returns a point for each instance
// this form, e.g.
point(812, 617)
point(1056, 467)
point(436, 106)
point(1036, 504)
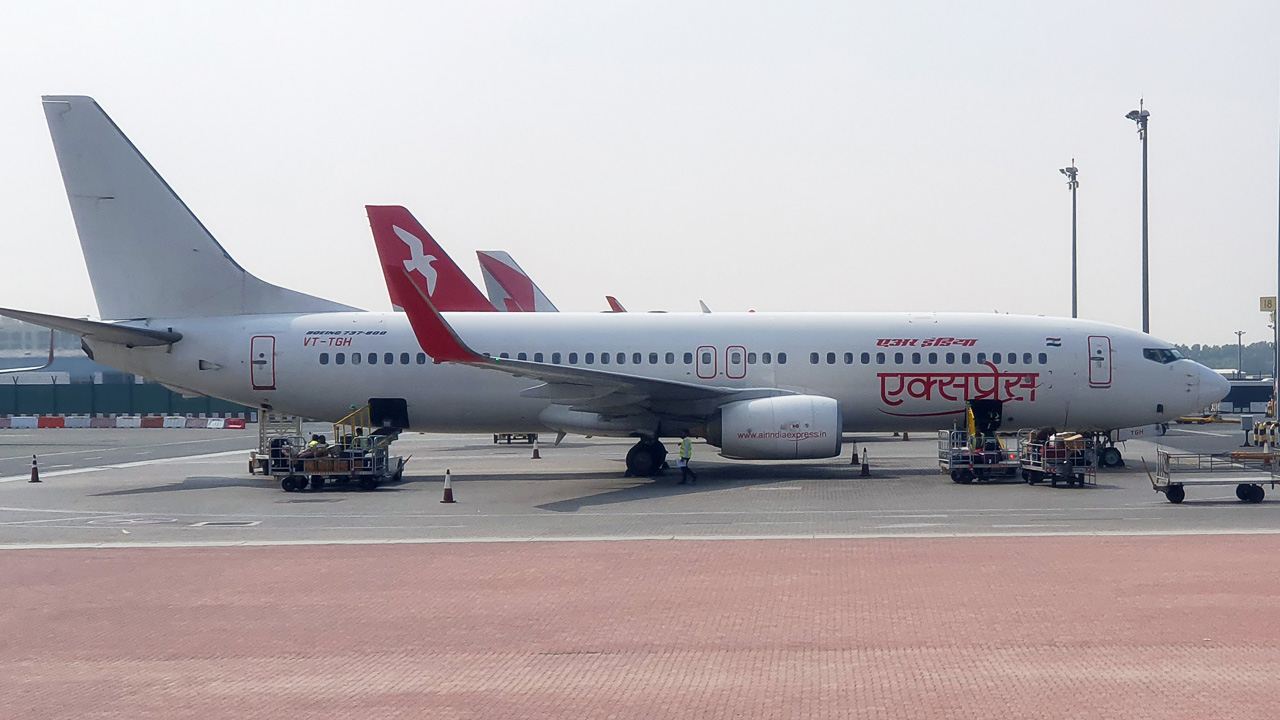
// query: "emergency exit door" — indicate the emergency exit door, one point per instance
point(1099, 361)
point(262, 362)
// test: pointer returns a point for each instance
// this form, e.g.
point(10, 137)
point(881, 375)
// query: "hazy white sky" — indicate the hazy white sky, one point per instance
point(770, 156)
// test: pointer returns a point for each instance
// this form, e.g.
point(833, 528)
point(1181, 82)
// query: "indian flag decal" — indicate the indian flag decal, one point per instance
point(1053, 342)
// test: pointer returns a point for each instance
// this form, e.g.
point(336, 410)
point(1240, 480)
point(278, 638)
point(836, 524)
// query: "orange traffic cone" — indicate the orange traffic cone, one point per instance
point(536, 455)
point(866, 469)
point(35, 471)
point(448, 488)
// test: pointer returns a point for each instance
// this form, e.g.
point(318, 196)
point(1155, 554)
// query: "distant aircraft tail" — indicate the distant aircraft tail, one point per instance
point(614, 305)
point(510, 288)
point(402, 241)
point(147, 254)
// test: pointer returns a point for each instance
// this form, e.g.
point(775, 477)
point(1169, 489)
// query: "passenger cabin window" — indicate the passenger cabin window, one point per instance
point(670, 358)
point(373, 358)
point(782, 358)
point(706, 358)
point(688, 358)
point(1026, 358)
point(324, 358)
point(735, 357)
point(915, 358)
point(766, 358)
point(964, 358)
point(751, 358)
point(1013, 358)
point(340, 358)
point(982, 357)
point(604, 358)
point(897, 358)
point(933, 358)
point(995, 358)
point(813, 358)
point(951, 358)
point(404, 358)
point(537, 357)
point(636, 359)
point(848, 358)
point(555, 358)
point(422, 358)
point(505, 355)
point(879, 358)
point(1044, 359)
point(573, 358)
point(866, 358)
point(831, 358)
point(653, 358)
point(522, 356)
point(1162, 355)
point(388, 359)
point(589, 358)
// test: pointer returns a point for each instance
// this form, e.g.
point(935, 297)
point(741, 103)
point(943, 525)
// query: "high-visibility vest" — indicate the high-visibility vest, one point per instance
point(686, 448)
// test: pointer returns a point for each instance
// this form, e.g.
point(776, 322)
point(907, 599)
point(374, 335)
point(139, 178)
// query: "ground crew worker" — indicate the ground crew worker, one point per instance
point(686, 452)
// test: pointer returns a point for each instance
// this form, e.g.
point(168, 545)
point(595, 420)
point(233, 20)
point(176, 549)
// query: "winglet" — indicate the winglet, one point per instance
point(434, 334)
point(614, 305)
point(403, 243)
point(704, 307)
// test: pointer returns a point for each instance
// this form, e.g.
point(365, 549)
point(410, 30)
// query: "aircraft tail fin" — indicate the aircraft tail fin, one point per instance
point(147, 253)
point(403, 242)
point(511, 288)
point(614, 305)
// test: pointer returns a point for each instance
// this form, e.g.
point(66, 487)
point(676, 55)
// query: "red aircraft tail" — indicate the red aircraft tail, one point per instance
point(405, 246)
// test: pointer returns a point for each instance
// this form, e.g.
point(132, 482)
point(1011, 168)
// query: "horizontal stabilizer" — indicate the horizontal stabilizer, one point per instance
point(93, 330)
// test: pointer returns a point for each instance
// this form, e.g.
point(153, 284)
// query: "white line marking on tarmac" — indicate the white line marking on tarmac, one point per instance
point(1203, 432)
point(123, 466)
point(631, 538)
point(156, 445)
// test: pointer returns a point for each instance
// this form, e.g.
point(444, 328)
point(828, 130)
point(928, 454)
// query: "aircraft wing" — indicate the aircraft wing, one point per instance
point(33, 368)
point(582, 389)
point(93, 330)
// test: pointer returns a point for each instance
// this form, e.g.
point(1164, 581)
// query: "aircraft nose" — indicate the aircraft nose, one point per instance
point(1213, 387)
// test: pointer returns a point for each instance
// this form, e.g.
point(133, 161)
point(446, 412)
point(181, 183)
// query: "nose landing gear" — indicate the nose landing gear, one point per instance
point(646, 458)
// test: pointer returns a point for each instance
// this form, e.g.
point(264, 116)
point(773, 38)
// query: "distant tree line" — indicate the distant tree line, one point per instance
point(1257, 359)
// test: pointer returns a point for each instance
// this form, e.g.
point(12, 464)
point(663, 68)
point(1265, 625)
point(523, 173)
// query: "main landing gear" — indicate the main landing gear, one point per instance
point(646, 458)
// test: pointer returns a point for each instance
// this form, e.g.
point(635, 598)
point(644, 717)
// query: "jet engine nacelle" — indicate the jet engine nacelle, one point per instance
point(789, 427)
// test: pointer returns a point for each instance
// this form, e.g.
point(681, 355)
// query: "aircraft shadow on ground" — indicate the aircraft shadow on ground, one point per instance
point(267, 484)
point(711, 477)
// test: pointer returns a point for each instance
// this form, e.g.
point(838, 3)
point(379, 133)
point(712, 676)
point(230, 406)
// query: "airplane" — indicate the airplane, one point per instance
point(510, 288)
point(770, 386)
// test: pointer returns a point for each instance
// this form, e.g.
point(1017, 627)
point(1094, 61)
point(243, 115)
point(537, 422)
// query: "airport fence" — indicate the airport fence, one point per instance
point(107, 399)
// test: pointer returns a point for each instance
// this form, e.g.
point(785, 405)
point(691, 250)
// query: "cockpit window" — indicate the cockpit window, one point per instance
point(1162, 355)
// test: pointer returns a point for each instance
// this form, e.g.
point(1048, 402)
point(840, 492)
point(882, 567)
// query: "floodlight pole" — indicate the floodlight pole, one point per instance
point(1141, 116)
point(1239, 354)
point(1072, 183)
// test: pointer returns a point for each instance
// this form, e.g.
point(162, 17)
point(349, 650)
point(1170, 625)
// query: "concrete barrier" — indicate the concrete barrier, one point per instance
point(24, 422)
point(128, 421)
point(48, 421)
point(77, 421)
point(153, 421)
point(196, 423)
point(102, 422)
point(174, 422)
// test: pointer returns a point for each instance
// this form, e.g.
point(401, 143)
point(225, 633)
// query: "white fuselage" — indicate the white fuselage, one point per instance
point(889, 371)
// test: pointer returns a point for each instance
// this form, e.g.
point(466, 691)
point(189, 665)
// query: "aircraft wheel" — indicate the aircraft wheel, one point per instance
point(645, 458)
point(1111, 457)
point(1243, 492)
point(1175, 494)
